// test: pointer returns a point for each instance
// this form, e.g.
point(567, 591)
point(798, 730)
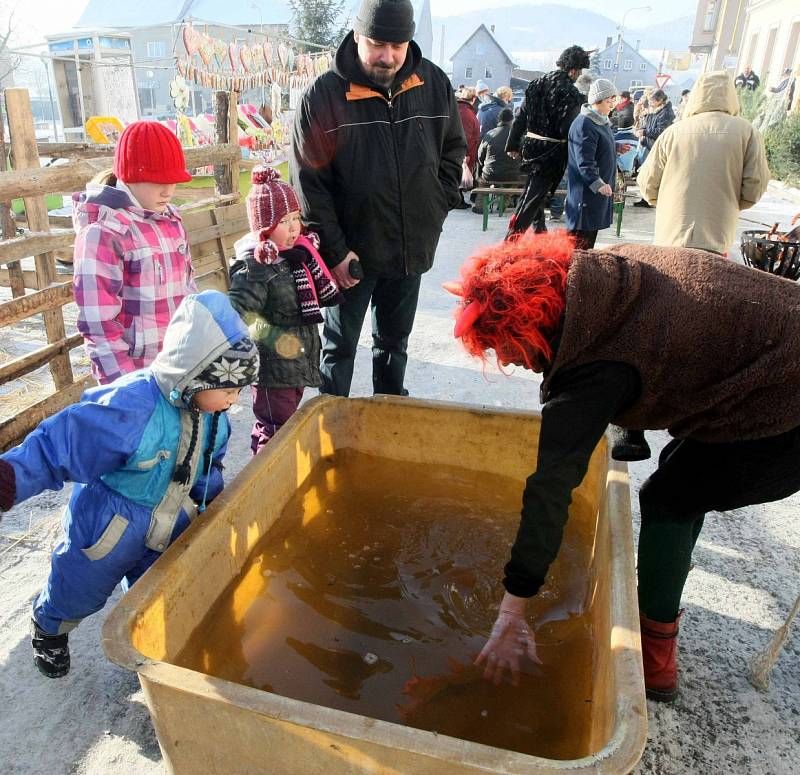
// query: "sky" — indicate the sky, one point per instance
point(44, 17)
point(614, 9)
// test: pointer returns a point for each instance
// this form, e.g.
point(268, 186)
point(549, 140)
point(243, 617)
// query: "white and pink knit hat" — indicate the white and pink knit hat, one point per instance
point(269, 199)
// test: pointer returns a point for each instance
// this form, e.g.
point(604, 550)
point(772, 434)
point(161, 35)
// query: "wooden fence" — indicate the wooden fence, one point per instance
point(212, 225)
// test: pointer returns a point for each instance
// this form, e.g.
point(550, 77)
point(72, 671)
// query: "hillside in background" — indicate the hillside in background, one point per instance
point(548, 27)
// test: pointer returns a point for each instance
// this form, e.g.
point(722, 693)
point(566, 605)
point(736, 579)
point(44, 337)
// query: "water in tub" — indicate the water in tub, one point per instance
point(378, 586)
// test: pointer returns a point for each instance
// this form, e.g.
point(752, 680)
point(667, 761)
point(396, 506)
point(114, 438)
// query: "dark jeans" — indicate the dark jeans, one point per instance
point(584, 239)
point(556, 202)
point(394, 305)
point(692, 479)
point(272, 408)
point(530, 208)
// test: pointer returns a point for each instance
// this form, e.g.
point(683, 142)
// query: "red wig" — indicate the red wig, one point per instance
point(513, 298)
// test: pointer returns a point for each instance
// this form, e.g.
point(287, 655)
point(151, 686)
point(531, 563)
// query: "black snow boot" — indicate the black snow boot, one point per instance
point(50, 652)
point(628, 445)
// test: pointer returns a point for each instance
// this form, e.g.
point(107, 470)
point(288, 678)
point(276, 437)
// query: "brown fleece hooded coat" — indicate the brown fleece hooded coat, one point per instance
point(704, 169)
point(716, 344)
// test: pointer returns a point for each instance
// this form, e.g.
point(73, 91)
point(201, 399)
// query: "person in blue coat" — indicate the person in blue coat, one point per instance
point(145, 453)
point(592, 166)
point(490, 107)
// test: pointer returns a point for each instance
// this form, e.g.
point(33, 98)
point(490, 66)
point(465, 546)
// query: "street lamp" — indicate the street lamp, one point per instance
point(619, 35)
point(257, 7)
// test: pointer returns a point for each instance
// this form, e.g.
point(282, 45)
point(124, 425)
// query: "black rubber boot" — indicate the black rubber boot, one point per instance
point(628, 445)
point(50, 652)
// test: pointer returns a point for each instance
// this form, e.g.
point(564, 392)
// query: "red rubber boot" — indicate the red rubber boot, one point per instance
point(660, 658)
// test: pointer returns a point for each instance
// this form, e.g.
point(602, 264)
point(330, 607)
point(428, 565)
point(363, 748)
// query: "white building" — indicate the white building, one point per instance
point(771, 39)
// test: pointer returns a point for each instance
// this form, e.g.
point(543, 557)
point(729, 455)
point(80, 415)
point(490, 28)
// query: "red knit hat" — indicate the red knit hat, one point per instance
point(269, 199)
point(148, 152)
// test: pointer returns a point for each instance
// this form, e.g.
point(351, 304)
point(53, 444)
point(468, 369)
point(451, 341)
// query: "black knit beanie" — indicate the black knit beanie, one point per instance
point(388, 21)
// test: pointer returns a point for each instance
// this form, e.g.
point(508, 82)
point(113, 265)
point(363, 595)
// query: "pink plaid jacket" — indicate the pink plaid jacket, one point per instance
point(132, 270)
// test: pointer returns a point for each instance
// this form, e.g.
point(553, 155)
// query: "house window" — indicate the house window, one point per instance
point(468, 71)
point(710, 21)
point(627, 64)
point(156, 49)
point(487, 73)
point(606, 64)
point(643, 66)
point(636, 84)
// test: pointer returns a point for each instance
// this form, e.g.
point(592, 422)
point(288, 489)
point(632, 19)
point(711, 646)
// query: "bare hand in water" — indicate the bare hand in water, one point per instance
point(510, 641)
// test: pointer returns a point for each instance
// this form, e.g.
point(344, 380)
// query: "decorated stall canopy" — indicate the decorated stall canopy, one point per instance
point(239, 66)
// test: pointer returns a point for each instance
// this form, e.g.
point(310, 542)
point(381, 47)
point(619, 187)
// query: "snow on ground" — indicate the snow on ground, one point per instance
point(747, 567)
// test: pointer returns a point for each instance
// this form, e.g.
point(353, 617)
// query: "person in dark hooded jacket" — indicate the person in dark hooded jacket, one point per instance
point(494, 164)
point(489, 110)
point(376, 157)
point(659, 116)
point(539, 135)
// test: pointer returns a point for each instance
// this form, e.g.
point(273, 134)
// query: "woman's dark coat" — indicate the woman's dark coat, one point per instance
point(592, 162)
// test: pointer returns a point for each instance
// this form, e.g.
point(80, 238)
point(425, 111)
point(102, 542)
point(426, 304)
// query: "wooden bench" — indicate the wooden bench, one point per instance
point(499, 193)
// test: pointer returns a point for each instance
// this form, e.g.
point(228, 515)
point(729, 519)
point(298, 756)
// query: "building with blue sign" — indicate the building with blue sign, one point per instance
point(94, 76)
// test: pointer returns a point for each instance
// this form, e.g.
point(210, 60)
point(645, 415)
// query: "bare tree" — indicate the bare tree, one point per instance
point(9, 62)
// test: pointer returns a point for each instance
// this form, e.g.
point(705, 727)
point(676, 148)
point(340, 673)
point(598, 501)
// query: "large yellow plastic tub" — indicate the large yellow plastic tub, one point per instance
point(206, 724)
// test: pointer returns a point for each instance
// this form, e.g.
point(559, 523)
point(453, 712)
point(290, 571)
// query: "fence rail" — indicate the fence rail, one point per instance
point(212, 231)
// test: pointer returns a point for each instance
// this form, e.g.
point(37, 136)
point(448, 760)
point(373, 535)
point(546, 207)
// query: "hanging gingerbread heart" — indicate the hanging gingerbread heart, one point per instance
point(268, 52)
point(190, 39)
point(181, 67)
point(290, 59)
point(220, 51)
point(283, 53)
point(246, 58)
point(321, 64)
point(206, 48)
point(310, 67)
point(233, 55)
point(257, 52)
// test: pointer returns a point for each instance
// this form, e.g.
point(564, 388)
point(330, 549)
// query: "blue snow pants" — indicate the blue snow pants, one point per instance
point(104, 545)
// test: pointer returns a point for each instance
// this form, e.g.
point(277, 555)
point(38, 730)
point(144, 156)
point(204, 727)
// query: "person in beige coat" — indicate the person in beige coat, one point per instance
point(704, 169)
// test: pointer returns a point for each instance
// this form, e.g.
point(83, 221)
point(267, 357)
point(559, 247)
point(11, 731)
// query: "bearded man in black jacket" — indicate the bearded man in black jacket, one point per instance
point(376, 159)
point(539, 136)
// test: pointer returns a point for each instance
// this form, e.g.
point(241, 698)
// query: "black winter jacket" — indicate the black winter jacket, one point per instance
point(377, 174)
point(494, 164)
point(622, 118)
point(488, 114)
point(656, 123)
point(265, 295)
point(549, 107)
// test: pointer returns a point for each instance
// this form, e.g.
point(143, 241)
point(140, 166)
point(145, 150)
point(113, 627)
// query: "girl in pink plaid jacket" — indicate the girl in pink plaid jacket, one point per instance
point(132, 263)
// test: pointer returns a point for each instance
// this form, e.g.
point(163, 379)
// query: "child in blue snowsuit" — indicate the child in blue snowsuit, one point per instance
point(145, 454)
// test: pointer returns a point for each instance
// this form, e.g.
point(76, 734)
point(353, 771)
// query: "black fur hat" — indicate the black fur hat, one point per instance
point(573, 58)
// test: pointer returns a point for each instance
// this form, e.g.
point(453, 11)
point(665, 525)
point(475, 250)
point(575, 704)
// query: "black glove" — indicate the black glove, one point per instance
point(8, 486)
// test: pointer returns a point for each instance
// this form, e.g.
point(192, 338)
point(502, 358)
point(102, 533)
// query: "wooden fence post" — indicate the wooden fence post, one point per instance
point(226, 127)
point(8, 225)
point(26, 156)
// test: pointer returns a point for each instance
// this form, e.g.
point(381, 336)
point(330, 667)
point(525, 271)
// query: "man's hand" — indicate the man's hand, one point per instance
point(639, 133)
point(606, 190)
point(511, 640)
point(341, 272)
point(623, 148)
point(514, 155)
